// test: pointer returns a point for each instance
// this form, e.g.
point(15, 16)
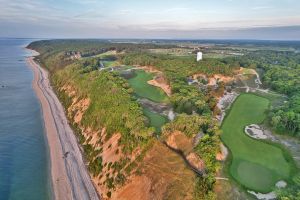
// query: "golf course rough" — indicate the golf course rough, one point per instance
point(255, 165)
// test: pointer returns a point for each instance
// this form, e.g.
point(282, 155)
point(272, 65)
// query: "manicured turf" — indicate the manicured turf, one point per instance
point(255, 164)
point(144, 90)
point(110, 63)
point(156, 120)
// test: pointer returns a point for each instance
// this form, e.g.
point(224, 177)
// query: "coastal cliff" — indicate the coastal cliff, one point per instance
point(125, 157)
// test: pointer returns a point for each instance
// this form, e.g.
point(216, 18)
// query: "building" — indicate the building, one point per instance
point(199, 56)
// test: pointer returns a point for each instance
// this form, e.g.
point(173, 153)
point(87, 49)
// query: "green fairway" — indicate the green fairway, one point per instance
point(143, 89)
point(110, 63)
point(255, 164)
point(156, 120)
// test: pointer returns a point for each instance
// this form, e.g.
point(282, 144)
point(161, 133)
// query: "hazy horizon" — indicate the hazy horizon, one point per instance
point(132, 19)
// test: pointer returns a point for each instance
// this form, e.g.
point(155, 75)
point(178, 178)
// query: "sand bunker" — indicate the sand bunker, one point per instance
point(268, 196)
point(281, 184)
point(224, 103)
point(255, 131)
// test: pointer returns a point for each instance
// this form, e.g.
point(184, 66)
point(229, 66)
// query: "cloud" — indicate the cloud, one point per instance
point(261, 7)
point(86, 2)
point(104, 18)
point(29, 10)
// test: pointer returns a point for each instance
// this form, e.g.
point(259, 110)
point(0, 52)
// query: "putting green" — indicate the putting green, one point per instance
point(255, 164)
point(144, 90)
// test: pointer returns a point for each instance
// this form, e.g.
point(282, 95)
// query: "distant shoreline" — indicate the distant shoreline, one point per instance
point(69, 176)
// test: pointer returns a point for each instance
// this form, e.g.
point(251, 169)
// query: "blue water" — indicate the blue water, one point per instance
point(24, 165)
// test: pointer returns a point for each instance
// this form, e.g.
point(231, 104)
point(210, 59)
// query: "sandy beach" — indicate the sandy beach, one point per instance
point(70, 178)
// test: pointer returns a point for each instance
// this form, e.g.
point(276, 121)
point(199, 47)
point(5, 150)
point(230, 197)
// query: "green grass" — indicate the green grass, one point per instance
point(144, 90)
point(110, 63)
point(105, 54)
point(156, 120)
point(255, 164)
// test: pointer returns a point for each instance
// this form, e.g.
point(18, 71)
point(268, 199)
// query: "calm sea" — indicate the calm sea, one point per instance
point(24, 164)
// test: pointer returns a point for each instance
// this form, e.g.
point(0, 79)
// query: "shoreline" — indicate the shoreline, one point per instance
point(69, 176)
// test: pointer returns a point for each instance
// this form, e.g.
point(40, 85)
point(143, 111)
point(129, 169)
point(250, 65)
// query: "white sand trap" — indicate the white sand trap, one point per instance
point(268, 196)
point(224, 103)
point(255, 131)
point(281, 184)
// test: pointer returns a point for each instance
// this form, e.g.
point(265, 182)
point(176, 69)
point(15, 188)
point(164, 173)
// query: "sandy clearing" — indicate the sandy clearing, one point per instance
point(212, 80)
point(160, 81)
point(70, 178)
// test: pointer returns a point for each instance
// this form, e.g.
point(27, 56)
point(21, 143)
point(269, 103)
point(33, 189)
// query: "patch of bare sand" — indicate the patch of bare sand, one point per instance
point(138, 188)
point(180, 141)
point(161, 82)
point(69, 90)
point(212, 80)
point(222, 155)
point(111, 153)
point(80, 106)
point(195, 161)
point(109, 149)
point(164, 176)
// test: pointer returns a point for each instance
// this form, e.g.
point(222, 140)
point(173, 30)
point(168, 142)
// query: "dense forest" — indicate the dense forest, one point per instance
point(281, 73)
point(186, 98)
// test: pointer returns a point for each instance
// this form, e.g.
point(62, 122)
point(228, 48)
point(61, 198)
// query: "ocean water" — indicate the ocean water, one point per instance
point(24, 156)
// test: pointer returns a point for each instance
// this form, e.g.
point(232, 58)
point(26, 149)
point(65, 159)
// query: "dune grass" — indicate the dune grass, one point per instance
point(255, 164)
point(144, 90)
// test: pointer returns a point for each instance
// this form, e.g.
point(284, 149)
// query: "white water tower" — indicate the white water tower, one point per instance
point(199, 56)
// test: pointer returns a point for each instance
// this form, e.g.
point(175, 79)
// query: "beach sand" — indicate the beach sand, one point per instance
point(70, 178)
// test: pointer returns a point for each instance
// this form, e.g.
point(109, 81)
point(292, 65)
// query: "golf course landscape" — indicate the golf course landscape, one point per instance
point(143, 90)
point(256, 165)
point(156, 120)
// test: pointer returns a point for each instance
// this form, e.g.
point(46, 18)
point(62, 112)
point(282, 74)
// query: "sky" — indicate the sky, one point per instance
point(165, 19)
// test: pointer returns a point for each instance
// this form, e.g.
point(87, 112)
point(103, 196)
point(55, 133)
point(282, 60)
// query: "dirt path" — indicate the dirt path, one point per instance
point(70, 178)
